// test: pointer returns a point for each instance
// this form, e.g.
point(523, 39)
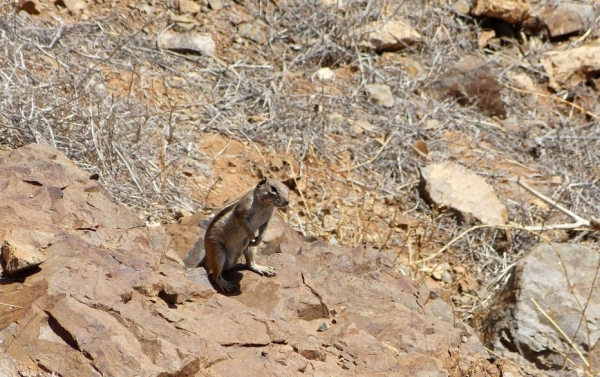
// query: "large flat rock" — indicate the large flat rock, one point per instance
point(567, 69)
point(468, 195)
point(113, 299)
point(560, 279)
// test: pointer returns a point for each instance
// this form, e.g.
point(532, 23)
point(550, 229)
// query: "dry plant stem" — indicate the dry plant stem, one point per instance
point(579, 221)
point(371, 159)
point(391, 230)
point(585, 309)
point(409, 232)
point(358, 218)
point(497, 355)
point(12, 306)
point(541, 237)
point(336, 199)
point(555, 98)
point(557, 327)
point(306, 205)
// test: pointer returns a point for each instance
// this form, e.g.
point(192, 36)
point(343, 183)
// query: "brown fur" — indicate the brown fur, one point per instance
point(232, 232)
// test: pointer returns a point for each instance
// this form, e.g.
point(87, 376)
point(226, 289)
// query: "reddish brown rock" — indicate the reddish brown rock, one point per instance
point(471, 82)
point(20, 253)
point(566, 17)
point(113, 299)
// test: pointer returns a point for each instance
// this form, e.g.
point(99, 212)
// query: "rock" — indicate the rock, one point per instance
point(75, 6)
point(513, 322)
point(215, 5)
point(567, 69)
point(329, 223)
point(20, 255)
point(8, 367)
point(178, 287)
point(447, 277)
point(390, 36)
point(188, 6)
point(188, 243)
point(302, 290)
point(485, 36)
point(29, 7)
point(465, 193)
point(511, 11)
point(462, 7)
point(380, 94)
point(471, 81)
point(184, 23)
point(405, 221)
point(523, 81)
point(323, 326)
point(275, 235)
point(194, 42)
point(24, 15)
point(81, 313)
point(468, 284)
point(324, 74)
point(410, 66)
point(565, 18)
point(113, 299)
point(253, 32)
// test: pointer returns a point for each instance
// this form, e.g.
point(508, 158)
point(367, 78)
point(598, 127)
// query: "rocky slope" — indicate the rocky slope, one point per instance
point(111, 298)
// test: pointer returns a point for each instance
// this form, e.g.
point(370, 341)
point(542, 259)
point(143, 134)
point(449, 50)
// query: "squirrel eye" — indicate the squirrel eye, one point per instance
point(273, 189)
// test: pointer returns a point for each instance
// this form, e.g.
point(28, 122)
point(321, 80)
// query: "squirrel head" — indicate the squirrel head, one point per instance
point(271, 192)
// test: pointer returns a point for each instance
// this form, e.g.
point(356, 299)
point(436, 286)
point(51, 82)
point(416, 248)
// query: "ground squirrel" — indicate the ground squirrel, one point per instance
point(233, 230)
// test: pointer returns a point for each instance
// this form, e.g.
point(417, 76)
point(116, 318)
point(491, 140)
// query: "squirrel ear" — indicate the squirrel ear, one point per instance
point(262, 181)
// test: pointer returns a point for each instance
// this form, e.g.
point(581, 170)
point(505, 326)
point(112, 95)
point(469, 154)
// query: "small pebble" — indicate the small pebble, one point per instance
point(323, 326)
point(447, 277)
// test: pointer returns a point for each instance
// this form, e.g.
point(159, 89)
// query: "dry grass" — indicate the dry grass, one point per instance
point(105, 95)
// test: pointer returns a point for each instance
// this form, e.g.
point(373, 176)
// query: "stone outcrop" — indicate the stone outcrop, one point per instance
point(511, 11)
point(560, 280)
point(113, 297)
point(186, 42)
point(567, 69)
point(464, 192)
point(392, 35)
point(564, 18)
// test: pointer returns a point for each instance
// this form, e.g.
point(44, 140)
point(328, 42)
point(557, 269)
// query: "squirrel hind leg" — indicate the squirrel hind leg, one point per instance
point(216, 264)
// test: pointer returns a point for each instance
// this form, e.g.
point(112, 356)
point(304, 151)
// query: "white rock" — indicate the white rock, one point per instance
point(75, 6)
point(324, 74)
point(197, 42)
point(393, 35)
point(380, 94)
